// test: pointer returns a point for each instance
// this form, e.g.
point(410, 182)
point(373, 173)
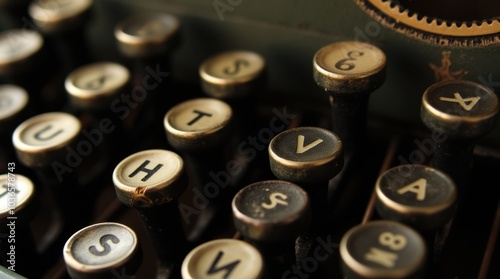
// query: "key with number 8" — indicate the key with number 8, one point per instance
point(383, 249)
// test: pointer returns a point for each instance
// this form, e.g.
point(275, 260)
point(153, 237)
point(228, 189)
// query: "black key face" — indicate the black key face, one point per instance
point(461, 109)
point(305, 154)
point(418, 195)
point(100, 247)
point(271, 201)
point(463, 99)
point(223, 259)
point(417, 186)
point(306, 144)
point(382, 249)
point(271, 209)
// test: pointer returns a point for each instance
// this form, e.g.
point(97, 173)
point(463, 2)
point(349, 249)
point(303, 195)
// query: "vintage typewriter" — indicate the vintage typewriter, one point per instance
point(249, 139)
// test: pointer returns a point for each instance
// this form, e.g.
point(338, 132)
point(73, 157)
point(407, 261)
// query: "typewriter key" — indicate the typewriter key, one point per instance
point(143, 36)
point(458, 113)
point(102, 250)
point(349, 71)
point(21, 50)
point(52, 16)
point(199, 125)
point(95, 86)
point(42, 139)
point(151, 181)
point(63, 25)
point(147, 43)
point(201, 130)
point(233, 75)
point(223, 258)
point(14, 108)
point(18, 206)
point(26, 61)
point(50, 144)
point(271, 215)
point(419, 196)
point(383, 249)
point(309, 157)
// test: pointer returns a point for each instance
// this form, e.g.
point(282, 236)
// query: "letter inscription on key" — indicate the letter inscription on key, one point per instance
point(104, 243)
point(276, 198)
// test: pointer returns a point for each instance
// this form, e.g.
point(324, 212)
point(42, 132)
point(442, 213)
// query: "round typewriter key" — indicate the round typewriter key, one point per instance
point(271, 211)
point(42, 139)
point(198, 124)
point(150, 178)
point(18, 206)
point(96, 85)
point(223, 258)
point(383, 249)
point(351, 68)
point(18, 50)
point(13, 101)
point(232, 74)
point(147, 35)
point(458, 113)
point(52, 16)
point(460, 109)
point(17, 198)
point(151, 181)
point(101, 250)
point(307, 156)
point(349, 71)
point(419, 196)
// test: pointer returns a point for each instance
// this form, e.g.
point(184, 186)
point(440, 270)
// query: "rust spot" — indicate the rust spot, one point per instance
point(140, 197)
point(443, 72)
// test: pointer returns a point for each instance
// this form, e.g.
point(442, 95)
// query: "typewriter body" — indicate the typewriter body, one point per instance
point(424, 44)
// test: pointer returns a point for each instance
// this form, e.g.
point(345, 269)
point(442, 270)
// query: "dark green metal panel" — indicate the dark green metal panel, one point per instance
point(288, 33)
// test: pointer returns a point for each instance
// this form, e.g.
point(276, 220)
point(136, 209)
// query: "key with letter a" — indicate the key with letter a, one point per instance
point(417, 195)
